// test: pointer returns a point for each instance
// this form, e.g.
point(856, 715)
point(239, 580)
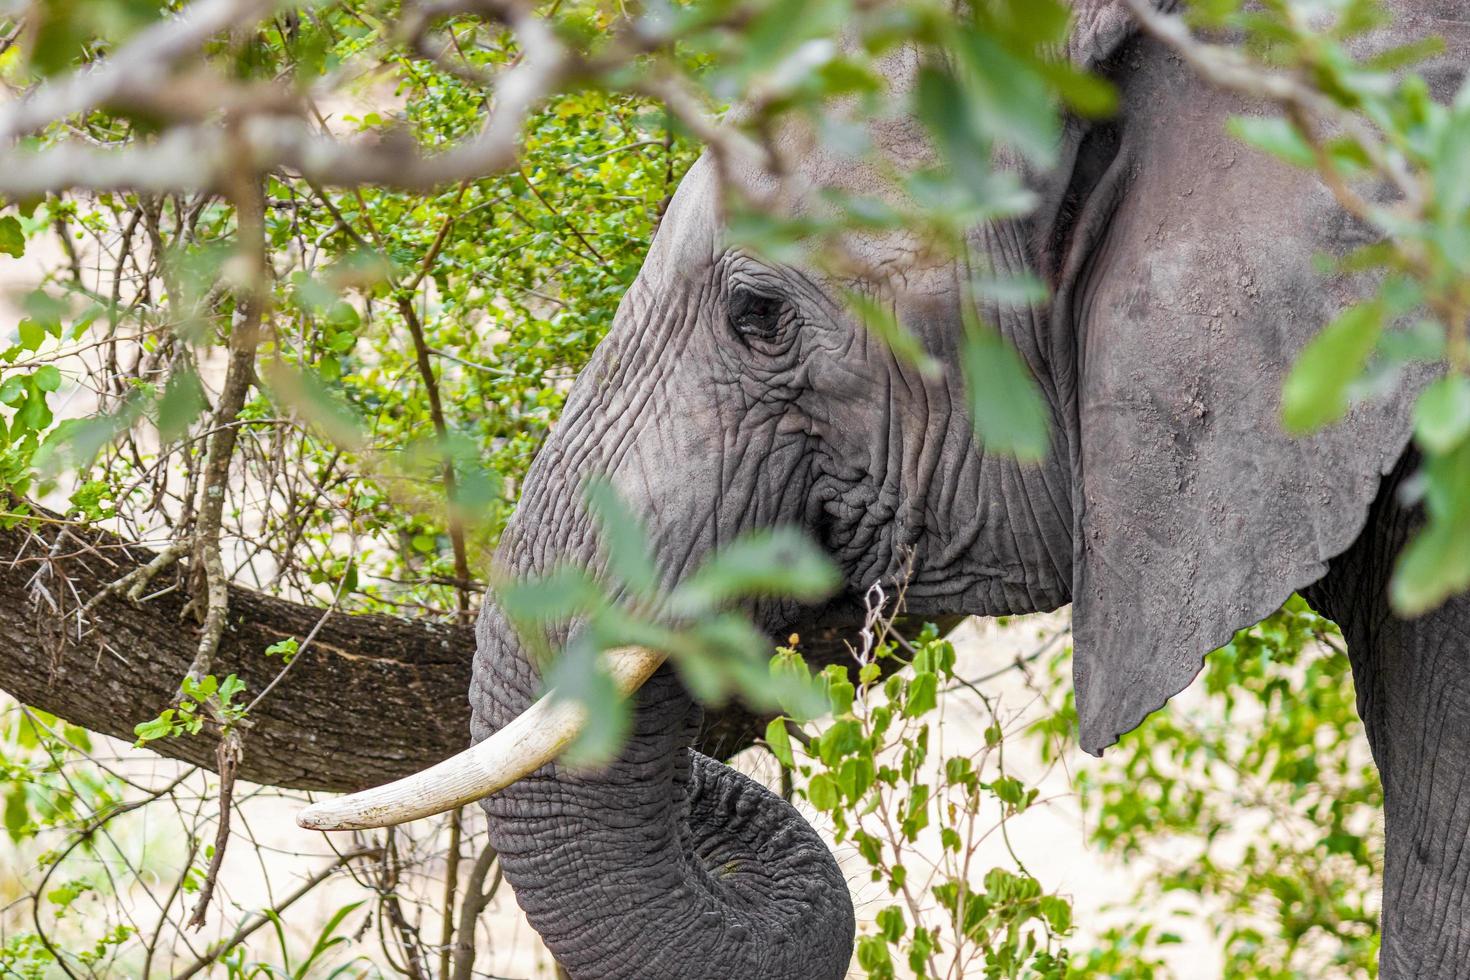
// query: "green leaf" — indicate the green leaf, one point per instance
point(1403, 55)
point(855, 776)
point(17, 812)
point(1058, 913)
point(577, 675)
point(840, 692)
point(1009, 414)
point(773, 32)
point(1010, 292)
point(891, 923)
point(923, 695)
point(782, 562)
point(822, 792)
point(561, 595)
point(160, 727)
point(34, 414)
point(1085, 93)
point(1442, 414)
point(324, 407)
point(32, 334)
point(1450, 166)
point(1316, 390)
point(286, 649)
point(623, 539)
point(229, 687)
point(883, 322)
point(182, 401)
point(1275, 136)
point(12, 237)
point(48, 377)
point(1431, 568)
point(779, 741)
point(941, 105)
point(1436, 563)
point(46, 310)
point(1007, 97)
point(78, 441)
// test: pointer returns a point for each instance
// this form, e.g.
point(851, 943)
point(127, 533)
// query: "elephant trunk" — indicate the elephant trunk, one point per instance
point(665, 863)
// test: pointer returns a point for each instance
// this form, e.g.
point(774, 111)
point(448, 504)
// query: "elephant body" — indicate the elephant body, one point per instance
point(733, 394)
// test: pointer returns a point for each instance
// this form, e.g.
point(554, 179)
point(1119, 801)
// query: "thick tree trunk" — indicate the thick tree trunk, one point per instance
point(371, 699)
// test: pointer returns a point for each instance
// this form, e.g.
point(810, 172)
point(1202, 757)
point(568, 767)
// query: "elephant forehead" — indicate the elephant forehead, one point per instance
point(692, 235)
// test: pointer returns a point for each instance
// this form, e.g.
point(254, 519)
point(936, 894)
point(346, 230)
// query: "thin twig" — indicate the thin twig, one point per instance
point(227, 759)
point(260, 918)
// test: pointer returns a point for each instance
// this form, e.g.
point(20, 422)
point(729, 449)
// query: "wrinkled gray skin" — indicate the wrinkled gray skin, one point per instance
point(732, 395)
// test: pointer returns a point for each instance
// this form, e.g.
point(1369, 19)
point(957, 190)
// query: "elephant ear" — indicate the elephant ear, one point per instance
point(1196, 514)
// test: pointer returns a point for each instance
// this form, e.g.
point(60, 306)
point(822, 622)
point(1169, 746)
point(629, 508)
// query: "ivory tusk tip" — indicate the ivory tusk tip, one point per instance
point(319, 816)
point(309, 820)
point(530, 741)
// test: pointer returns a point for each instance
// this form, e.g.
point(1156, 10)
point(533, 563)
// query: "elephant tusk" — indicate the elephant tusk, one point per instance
point(533, 739)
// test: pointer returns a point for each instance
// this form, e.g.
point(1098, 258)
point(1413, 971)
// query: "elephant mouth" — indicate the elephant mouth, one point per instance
point(532, 740)
point(666, 863)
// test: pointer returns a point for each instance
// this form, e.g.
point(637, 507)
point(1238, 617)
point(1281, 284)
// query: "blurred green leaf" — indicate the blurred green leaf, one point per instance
point(182, 402)
point(1442, 414)
point(883, 322)
point(1316, 390)
point(1008, 411)
point(781, 562)
point(564, 593)
point(1275, 136)
point(963, 142)
point(1436, 562)
point(623, 539)
point(323, 406)
point(12, 237)
point(1007, 97)
point(577, 674)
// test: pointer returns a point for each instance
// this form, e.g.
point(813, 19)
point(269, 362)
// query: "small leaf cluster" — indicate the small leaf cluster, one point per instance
point(875, 773)
point(201, 699)
point(1263, 796)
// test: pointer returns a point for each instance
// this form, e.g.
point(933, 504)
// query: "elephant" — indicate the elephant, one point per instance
point(733, 393)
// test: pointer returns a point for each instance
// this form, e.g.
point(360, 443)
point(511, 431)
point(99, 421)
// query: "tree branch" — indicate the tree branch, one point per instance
point(378, 697)
point(137, 69)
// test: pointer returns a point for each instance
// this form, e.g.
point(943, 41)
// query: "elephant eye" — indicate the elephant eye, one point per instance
point(755, 315)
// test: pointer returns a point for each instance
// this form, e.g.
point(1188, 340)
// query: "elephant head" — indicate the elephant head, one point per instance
point(733, 393)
